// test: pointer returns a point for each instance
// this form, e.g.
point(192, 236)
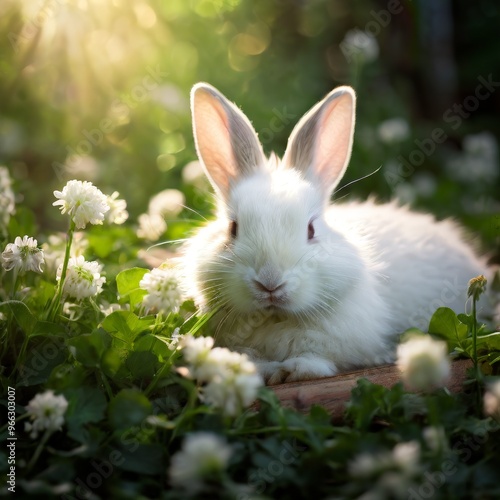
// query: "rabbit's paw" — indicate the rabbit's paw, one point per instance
point(270, 371)
point(299, 368)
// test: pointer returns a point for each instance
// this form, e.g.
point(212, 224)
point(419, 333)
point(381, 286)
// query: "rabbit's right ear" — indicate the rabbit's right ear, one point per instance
point(226, 142)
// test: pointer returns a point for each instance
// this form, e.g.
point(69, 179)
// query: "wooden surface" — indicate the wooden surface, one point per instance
point(333, 392)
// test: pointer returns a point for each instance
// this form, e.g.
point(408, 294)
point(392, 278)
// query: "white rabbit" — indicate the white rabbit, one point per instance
point(309, 289)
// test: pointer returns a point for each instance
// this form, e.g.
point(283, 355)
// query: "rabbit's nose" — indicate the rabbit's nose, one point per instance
point(269, 276)
point(268, 287)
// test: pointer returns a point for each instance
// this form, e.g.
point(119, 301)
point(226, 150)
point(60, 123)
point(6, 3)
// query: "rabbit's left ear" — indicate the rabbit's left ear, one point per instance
point(321, 143)
point(226, 142)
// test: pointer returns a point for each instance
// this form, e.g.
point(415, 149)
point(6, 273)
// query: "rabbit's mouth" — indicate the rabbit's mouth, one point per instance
point(274, 301)
point(269, 289)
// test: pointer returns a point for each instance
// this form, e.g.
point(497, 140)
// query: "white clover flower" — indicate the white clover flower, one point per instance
point(391, 485)
point(193, 174)
point(5, 180)
point(167, 203)
point(405, 193)
point(175, 340)
point(117, 213)
point(491, 400)
point(83, 278)
point(203, 455)
point(221, 363)
point(478, 162)
point(435, 438)
point(393, 130)
point(407, 457)
point(151, 226)
point(23, 255)
point(72, 311)
point(232, 394)
point(83, 202)
point(46, 410)
point(106, 308)
point(196, 349)
point(425, 184)
point(164, 292)
point(7, 198)
point(231, 379)
point(484, 146)
point(360, 44)
point(423, 362)
point(404, 458)
point(365, 465)
point(55, 248)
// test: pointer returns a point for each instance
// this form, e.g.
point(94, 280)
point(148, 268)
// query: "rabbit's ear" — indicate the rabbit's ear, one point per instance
point(320, 144)
point(226, 142)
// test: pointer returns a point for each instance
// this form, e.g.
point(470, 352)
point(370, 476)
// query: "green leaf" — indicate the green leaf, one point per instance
point(113, 363)
point(84, 351)
point(86, 405)
point(154, 344)
point(125, 326)
point(466, 319)
point(88, 348)
point(67, 375)
point(445, 323)
point(494, 357)
point(128, 285)
point(41, 359)
point(46, 328)
point(268, 396)
point(188, 306)
point(319, 415)
point(141, 458)
point(24, 317)
point(490, 341)
point(129, 407)
point(366, 400)
point(142, 364)
point(369, 400)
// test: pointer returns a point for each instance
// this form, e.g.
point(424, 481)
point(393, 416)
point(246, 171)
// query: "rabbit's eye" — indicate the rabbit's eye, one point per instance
point(310, 231)
point(233, 228)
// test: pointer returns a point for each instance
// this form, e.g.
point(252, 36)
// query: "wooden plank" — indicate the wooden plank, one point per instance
point(333, 392)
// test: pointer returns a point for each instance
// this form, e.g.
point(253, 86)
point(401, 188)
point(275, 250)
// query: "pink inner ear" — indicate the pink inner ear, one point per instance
point(213, 139)
point(333, 146)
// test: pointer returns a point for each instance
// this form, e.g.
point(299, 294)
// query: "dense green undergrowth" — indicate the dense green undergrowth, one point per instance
point(112, 390)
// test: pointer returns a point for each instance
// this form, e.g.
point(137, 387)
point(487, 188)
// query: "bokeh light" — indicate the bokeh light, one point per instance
point(100, 90)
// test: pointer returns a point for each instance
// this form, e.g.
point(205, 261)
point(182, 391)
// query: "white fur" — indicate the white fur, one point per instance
point(335, 302)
